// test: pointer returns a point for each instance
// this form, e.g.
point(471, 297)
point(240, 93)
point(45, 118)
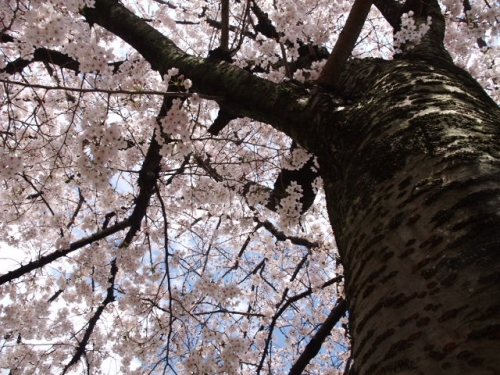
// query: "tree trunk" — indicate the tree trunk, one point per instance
point(412, 183)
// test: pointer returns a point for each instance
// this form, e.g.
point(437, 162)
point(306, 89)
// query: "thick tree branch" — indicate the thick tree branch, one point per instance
point(148, 177)
point(335, 64)
point(222, 52)
point(281, 236)
point(49, 56)
point(313, 347)
point(243, 94)
point(282, 309)
point(307, 54)
point(391, 10)
point(222, 120)
point(44, 260)
point(110, 297)
point(43, 55)
point(264, 24)
point(304, 177)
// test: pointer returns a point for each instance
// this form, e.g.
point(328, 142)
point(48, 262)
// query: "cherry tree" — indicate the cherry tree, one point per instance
point(250, 187)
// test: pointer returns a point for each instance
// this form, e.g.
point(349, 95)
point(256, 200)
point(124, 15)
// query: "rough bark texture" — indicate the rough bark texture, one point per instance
point(413, 197)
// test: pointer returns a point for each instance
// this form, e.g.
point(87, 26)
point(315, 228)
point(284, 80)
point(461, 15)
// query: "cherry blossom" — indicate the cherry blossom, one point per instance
point(211, 280)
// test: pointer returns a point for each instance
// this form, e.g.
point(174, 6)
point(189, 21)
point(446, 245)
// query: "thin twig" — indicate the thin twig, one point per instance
point(119, 91)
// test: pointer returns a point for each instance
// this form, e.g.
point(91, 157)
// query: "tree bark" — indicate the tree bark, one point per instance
point(413, 196)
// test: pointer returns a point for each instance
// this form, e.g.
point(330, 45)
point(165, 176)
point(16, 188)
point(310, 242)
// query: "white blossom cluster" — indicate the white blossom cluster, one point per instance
point(410, 33)
point(465, 29)
point(220, 292)
point(221, 357)
point(290, 206)
point(257, 196)
point(10, 165)
point(296, 160)
point(100, 143)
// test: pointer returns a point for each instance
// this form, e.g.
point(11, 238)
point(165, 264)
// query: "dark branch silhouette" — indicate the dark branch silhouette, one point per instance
point(222, 120)
point(44, 260)
point(314, 346)
point(345, 44)
point(304, 176)
point(282, 309)
point(264, 24)
point(224, 36)
point(110, 297)
point(391, 10)
point(50, 57)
